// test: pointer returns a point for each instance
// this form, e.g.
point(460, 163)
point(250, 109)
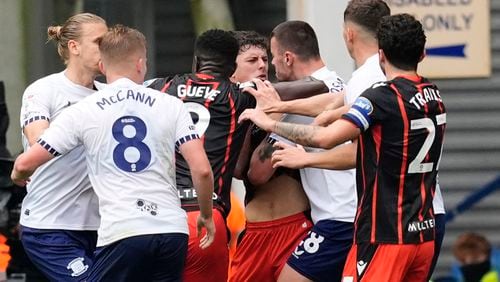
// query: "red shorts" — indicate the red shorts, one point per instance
point(266, 246)
point(389, 262)
point(210, 264)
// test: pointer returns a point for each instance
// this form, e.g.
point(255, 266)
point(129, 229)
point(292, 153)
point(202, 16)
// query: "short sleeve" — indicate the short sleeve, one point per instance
point(369, 108)
point(35, 105)
point(185, 129)
point(63, 134)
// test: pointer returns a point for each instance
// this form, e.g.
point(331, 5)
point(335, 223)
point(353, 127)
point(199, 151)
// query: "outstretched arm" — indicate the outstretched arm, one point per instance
point(28, 162)
point(298, 89)
point(307, 135)
point(339, 158)
point(203, 181)
point(270, 101)
point(330, 115)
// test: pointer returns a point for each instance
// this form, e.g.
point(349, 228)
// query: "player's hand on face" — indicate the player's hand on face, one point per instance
point(209, 225)
point(267, 97)
point(258, 117)
point(288, 156)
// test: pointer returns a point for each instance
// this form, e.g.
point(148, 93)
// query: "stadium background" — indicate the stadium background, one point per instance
point(472, 147)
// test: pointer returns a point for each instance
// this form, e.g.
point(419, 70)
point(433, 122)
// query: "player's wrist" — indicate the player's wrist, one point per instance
point(206, 212)
point(282, 107)
point(273, 126)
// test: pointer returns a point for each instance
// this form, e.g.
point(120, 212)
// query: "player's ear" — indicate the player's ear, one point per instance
point(349, 34)
point(101, 67)
point(196, 64)
point(381, 56)
point(74, 47)
point(422, 56)
point(289, 58)
point(141, 65)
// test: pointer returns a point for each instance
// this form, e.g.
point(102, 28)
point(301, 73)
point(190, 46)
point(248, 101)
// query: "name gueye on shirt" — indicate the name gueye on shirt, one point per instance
point(215, 105)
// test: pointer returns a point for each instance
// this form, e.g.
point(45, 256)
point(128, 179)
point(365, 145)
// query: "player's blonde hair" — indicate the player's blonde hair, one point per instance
point(70, 30)
point(120, 42)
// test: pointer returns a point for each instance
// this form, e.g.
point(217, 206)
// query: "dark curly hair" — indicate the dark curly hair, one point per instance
point(249, 38)
point(366, 13)
point(402, 39)
point(219, 47)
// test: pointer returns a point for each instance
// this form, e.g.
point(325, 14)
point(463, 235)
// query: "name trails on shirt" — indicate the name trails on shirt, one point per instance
point(429, 94)
point(119, 96)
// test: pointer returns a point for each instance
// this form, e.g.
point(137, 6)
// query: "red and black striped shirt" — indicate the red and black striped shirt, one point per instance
point(403, 123)
point(215, 105)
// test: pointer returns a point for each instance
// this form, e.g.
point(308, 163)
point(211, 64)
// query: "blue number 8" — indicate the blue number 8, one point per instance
point(135, 141)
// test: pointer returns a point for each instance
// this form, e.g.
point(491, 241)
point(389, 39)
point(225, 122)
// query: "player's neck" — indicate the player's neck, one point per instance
point(80, 76)
point(113, 76)
point(305, 69)
point(364, 51)
point(392, 72)
point(210, 67)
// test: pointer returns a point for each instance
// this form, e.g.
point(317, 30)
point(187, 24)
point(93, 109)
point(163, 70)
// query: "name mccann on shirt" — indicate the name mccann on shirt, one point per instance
point(429, 94)
point(130, 95)
point(197, 91)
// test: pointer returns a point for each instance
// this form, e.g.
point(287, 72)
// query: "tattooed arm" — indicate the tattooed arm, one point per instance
point(307, 135)
point(261, 168)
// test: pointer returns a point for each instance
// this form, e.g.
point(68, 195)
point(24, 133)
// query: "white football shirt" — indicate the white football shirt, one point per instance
point(331, 193)
point(59, 195)
point(130, 134)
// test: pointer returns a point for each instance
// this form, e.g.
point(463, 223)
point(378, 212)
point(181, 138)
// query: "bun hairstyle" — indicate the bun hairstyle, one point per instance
point(70, 30)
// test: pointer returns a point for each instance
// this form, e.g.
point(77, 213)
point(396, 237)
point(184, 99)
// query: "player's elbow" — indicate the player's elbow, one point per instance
point(23, 166)
point(259, 172)
point(202, 173)
point(256, 178)
point(323, 141)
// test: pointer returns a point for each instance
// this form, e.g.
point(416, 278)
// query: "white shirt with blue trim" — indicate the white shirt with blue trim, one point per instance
point(130, 134)
point(59, 195)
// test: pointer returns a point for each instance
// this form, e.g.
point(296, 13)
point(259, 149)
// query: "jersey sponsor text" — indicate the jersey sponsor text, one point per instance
point(418, 226)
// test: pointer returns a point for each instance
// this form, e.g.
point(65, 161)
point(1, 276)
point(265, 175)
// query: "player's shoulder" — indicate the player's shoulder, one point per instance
point(44, 85)
point(157, 83)
point(332, 80)
point(165, 99)
point(377, 88)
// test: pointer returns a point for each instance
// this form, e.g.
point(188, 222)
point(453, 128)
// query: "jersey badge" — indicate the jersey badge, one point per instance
point(77, 267)
point(360, 266)
point(149, 207)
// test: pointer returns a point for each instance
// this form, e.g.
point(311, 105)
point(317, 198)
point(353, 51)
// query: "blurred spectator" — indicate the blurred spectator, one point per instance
point(4, 123)
point(474, 253)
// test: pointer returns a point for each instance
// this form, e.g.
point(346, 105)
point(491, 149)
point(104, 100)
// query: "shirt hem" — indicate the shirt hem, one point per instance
point(103, 243)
